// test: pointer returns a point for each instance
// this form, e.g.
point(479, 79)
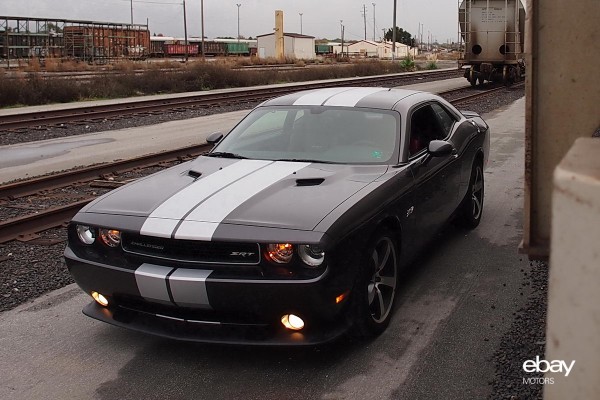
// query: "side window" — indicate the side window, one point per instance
point(445, 119)
point(424, 127)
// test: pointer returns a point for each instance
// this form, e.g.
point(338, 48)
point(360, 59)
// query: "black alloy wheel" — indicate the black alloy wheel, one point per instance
point(375, 291)
point(471, 208)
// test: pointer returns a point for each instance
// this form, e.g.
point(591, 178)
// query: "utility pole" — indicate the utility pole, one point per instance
point(364, 13)
point(131, 12)
point(383, 37)
point(185, 32)
point(238, 6)
point(373, 21)
point(202, 23)
point(428, 40)
point(342, 29)
point(300, 23)
point(394, 34)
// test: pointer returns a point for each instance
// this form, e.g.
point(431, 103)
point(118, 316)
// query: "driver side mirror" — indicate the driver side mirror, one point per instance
point(214, 138)
point(440, 148)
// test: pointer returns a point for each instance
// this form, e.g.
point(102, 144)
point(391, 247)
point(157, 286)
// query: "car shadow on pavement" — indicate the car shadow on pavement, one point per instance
point(167, 369)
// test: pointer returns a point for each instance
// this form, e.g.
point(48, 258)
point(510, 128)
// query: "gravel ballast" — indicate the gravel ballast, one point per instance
point(525, 340)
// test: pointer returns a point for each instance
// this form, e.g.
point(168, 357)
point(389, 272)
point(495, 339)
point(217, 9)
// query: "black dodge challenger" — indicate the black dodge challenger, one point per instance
point(293, 229)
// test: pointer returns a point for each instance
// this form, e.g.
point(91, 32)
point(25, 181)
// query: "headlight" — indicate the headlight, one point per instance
point(110, 237)
point(280, 253)
point(86, 234)
point(312, 255)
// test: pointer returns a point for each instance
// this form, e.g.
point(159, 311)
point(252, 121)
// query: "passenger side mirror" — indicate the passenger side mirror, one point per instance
point(440, 148)
point(214, 138)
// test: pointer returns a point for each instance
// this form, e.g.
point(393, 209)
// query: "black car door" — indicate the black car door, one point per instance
point(436, 178)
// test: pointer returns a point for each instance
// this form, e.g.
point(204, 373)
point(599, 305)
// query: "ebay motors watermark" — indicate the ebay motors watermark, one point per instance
point(542, 366)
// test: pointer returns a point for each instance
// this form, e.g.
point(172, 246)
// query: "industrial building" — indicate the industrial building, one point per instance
point(382, 50)
point(295, 45)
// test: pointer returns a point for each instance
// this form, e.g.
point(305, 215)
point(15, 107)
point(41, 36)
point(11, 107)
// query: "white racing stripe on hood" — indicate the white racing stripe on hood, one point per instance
point(351, 97)
point(202, 223)
point(319, 97)
point(164, 219)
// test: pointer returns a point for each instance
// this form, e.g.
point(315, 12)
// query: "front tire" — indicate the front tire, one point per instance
point(471, 209)
point(375, 289)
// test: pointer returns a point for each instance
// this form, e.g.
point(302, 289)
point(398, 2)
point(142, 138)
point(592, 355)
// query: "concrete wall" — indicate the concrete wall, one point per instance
point(573, 331)
point(303, 48)
point(266, 46)
point(563, 100)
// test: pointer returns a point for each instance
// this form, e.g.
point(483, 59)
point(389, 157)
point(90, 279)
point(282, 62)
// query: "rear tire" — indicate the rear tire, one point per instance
point(374, 292)
point(471, 208)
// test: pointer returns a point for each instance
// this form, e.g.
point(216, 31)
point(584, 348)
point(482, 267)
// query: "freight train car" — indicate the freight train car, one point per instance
point(99, 43)
point(15, 44)
point(493, 36)
point(176, 50)
point(164, 46)
point(323, 49)
point(237, 49)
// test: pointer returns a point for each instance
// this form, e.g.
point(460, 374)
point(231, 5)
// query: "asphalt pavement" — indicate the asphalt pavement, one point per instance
point(455, 303)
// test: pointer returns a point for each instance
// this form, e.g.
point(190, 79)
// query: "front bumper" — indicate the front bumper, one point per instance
point(187, 304)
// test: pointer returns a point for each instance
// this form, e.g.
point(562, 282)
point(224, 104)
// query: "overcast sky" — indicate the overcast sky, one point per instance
point(321, 18)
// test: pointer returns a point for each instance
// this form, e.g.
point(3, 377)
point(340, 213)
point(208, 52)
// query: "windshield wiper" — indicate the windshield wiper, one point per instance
point(224, 154)
point(307, 160)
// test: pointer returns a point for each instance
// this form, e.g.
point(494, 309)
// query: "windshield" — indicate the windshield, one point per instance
point(320, 134)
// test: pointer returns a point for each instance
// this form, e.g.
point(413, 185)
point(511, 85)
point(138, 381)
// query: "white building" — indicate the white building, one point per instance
point(369, 48)
point(295, 46)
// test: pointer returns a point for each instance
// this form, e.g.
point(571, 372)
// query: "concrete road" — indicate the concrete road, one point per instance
point(454, 305)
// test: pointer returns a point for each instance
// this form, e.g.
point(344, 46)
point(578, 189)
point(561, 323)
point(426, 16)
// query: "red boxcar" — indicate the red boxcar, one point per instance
point(179, 49)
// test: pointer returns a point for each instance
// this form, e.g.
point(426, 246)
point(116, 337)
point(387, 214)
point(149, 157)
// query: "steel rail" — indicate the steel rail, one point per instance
point(21, 227)
point(208, 99)
point(478, 94)
point(39, 184)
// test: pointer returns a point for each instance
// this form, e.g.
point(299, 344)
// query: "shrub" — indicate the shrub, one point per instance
point(431, 65)
point(407, 64)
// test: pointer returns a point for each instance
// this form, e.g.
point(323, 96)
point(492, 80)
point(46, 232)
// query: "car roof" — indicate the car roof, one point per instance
point(367, 97)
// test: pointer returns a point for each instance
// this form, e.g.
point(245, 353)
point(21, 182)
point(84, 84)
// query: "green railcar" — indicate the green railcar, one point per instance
point(238, 48)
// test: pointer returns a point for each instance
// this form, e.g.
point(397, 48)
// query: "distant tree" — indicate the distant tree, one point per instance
point(54, 27)
point(225, 37)
point(402, 36)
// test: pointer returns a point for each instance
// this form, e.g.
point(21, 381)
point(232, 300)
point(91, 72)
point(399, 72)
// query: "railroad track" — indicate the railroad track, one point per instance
point(208, 99)
point(25, 228)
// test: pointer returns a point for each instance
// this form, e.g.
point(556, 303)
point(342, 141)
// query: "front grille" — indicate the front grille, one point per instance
point(191, 251)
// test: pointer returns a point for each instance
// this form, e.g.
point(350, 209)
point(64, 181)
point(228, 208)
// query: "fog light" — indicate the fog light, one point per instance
point(100, 299)
point(293, 322)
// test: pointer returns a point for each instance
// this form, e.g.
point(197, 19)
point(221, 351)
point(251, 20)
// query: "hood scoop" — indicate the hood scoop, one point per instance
point(309, 181)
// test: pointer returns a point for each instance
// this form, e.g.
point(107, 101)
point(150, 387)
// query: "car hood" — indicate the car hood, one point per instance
point(192, 200)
